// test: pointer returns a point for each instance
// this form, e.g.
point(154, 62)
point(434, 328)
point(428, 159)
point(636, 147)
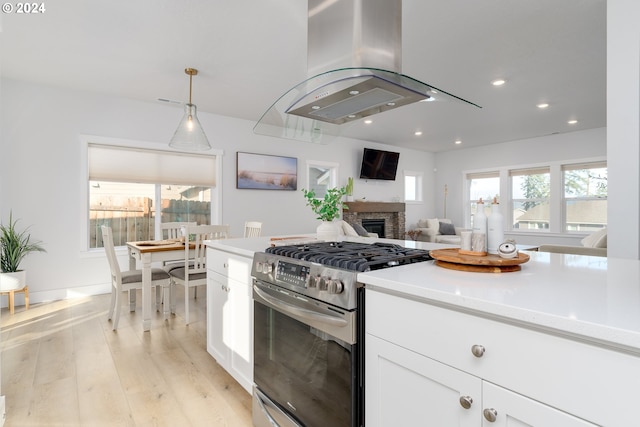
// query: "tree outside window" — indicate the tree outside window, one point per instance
point(530, 198)
point(585, 196)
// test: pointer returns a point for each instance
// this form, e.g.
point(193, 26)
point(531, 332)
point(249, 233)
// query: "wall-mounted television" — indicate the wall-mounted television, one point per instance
point(379, 164)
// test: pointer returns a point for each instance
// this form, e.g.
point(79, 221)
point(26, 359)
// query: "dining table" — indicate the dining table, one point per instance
point(145, 253)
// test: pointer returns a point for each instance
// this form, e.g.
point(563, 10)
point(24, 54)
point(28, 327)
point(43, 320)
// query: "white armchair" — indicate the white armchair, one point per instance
point(441, 230)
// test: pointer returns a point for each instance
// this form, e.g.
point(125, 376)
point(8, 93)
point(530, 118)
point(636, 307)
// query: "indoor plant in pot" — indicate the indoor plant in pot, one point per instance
point(328, 208)
point(14, 246)
point(349, 189)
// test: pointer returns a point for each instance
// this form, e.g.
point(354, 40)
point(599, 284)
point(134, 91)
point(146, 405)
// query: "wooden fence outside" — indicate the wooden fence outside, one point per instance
point(133, 219)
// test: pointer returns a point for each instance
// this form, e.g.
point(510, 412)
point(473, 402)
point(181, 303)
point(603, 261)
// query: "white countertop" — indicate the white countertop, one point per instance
point(591, 298)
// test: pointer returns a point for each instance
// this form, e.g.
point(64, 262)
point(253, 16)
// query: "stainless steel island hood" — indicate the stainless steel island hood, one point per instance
point(354, 62)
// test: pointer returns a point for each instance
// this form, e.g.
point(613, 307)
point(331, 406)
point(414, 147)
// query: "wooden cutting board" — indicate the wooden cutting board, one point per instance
point(452, 259)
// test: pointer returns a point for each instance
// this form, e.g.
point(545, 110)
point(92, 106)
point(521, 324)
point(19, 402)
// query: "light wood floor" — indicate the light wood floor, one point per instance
point(62, 365)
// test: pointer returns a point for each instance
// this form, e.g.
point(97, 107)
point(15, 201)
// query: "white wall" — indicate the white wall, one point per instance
point(623, 127)
point(41, 179)
point(560, 147)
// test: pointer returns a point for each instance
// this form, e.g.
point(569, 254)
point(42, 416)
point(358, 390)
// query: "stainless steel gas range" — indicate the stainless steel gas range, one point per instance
point(309, 331)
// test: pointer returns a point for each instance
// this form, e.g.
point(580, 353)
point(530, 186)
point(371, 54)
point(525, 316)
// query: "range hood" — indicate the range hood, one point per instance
point(354, 62)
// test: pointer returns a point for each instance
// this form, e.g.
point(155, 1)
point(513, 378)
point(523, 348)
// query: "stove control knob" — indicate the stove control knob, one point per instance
point(335, 286)
point(312, 283)
point(268, 268)
point(322, 283)
point(259, 267)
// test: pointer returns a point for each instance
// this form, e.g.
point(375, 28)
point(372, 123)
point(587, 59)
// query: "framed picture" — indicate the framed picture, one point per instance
point(266, 172)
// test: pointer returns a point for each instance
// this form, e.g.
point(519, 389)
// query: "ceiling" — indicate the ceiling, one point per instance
point(251, 52)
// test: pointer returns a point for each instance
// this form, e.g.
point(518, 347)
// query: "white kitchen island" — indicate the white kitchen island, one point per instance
point(557, 343)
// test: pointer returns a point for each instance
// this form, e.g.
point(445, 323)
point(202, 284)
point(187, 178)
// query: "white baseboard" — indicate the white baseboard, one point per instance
point(60, 294)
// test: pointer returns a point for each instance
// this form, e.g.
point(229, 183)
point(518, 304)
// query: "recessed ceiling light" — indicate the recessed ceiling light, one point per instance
point(498, 82)
point(315, 107)
point(457, 142)
point(543, 105)
point(354, 92)
point(418, 133)
point(391, 104)
point(572, 122)
point(368, 121)
point(351, 116)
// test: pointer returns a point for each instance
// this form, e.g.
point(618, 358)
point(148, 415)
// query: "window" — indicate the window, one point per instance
point(585, 196)
point(485, 186)
point(412, 186)
point(530, 198)
point(560, 197)
point(134, 190)
point(321, 176)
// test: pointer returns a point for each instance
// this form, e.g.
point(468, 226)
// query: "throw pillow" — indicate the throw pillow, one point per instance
point(447, 229)
point(596, 240)
point(360, 230)
point(423, 223)
point(348, 229)
point(433, 223)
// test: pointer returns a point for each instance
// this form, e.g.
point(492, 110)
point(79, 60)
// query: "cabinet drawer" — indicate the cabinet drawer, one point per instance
point(230, 265)
point(579, 378)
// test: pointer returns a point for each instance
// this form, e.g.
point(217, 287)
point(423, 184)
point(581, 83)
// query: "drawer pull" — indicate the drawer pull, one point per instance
point(466, 401)
point(477, 350)
point(490, 415)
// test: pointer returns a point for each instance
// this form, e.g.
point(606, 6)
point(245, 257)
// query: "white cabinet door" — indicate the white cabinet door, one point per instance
point(217, 300)
point(230, 326)
point(508, 409)
point(404, 388)
point(240, 332)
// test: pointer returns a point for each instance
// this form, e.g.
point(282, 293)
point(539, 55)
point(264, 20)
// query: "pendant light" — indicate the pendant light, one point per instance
point(190, 135)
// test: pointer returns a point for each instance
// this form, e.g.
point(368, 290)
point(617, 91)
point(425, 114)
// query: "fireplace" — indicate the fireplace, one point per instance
point(393, 215)
point(374, 226)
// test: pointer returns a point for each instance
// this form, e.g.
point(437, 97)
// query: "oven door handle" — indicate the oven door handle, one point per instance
point(299, 311)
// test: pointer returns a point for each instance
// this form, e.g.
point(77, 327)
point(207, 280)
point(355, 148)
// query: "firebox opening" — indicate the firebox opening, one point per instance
point(374, 226)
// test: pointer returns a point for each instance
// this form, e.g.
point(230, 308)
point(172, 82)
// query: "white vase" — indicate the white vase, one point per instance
point(13, 281)
point(327, 231)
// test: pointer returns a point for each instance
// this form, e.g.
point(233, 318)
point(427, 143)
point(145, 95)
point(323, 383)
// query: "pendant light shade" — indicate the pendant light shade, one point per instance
point(190, 136)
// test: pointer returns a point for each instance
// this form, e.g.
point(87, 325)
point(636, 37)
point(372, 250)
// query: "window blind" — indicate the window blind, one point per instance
point(580, 166)
point(113, 163)
point(529, 171)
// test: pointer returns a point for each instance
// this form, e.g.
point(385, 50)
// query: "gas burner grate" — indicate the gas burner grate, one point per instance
point(352, 255)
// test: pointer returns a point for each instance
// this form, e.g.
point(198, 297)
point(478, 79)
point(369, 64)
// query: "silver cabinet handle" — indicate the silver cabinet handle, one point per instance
point(477, 350)
point(490, 414)
point(466, 401)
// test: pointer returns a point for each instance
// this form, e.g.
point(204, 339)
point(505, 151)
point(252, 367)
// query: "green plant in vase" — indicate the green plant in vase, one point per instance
point(15, 245)
point(327, 209)
point(349, 188)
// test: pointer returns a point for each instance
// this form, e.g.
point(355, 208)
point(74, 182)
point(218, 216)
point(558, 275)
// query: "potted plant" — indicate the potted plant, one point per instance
point(328, 208)
point(349, 189)
point(14, 246)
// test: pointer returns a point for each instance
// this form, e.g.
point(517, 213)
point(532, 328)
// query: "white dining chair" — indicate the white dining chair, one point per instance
point(130, 280)
point(252, 229)
point(194, 271)
point(172, 230)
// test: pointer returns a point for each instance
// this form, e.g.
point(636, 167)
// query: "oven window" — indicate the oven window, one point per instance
point(307, 372)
